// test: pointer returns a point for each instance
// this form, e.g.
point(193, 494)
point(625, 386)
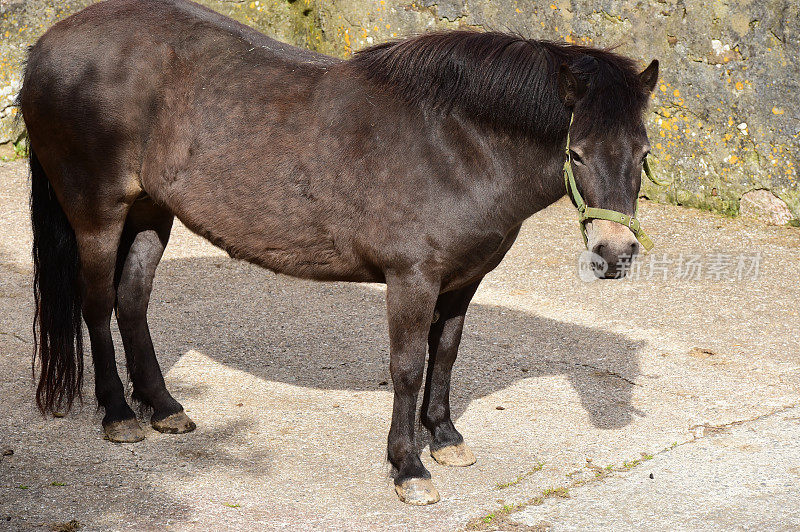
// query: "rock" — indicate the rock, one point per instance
point(765, 206)
point(7, 151)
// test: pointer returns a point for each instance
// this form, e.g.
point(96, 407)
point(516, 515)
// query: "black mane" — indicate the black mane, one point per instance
point(506, 81)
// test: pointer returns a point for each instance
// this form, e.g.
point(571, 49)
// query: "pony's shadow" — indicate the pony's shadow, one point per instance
point(334, 336)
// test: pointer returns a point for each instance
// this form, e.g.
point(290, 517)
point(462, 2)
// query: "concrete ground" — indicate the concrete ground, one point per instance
point(572, 394)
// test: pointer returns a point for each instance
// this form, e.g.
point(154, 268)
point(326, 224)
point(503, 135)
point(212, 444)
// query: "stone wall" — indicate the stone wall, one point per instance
point(725, 117)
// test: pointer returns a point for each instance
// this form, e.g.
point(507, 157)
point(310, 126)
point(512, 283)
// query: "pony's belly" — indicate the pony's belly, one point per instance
point(314, 258)
point(319, 266)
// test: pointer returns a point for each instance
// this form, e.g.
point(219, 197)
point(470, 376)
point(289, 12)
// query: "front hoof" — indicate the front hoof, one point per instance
point(417, 491)
point(125, 431)
point(176, 423)
point(454, 455)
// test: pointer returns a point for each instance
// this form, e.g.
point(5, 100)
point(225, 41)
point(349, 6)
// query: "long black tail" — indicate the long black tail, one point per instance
point(57, 334)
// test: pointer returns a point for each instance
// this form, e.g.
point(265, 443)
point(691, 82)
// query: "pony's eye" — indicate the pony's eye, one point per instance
point(575, 157)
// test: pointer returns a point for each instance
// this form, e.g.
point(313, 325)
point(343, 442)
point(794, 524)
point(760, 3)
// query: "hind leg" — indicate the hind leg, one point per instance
point(97, 247)
point(144, 238)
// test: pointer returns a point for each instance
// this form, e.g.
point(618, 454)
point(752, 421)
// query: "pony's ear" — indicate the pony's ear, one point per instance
point(649, 76)
point(570, 88)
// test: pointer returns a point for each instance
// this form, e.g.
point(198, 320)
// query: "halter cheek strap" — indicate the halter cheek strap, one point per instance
point(586, 213)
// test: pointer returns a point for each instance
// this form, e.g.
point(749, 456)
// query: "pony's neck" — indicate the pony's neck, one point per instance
point(533, 177)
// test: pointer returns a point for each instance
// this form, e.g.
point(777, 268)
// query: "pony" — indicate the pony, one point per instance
point(413, 164)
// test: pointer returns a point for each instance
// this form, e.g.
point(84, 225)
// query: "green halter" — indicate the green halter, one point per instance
point(593, 213)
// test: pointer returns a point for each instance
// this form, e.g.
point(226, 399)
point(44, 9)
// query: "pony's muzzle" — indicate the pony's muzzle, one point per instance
point(615, 244)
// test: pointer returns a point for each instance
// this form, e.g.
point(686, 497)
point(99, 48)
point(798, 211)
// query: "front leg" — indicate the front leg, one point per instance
point(447, 446)
point(410, 300)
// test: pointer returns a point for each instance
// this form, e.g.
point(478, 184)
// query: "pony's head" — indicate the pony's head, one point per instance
point(607, 148)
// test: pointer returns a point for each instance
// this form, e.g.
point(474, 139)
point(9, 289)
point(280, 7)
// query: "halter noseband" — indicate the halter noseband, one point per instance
point(593, 213)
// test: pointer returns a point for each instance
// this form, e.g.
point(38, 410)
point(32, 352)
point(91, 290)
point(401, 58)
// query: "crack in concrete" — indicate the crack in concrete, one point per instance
point(129, 449)
point(597, 369)
point(607, 372)
point(708, 429)
point(16, 336)
point(500, 517)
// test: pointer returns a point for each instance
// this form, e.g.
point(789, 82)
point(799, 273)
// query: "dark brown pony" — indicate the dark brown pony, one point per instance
point(412, 164)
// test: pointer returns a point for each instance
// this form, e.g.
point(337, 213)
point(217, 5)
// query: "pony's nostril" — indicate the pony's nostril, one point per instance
point(634, 249)
point(598, 249)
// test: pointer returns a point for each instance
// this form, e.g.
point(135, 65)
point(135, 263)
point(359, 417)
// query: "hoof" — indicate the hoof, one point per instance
point(454, 455)
point(176, 423)
point(417, 491)
point(125, 431)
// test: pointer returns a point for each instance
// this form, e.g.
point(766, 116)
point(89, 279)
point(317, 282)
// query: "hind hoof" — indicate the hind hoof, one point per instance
point(176, 423)
point(417, 491)
point(454, 455)
point(125, 431)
